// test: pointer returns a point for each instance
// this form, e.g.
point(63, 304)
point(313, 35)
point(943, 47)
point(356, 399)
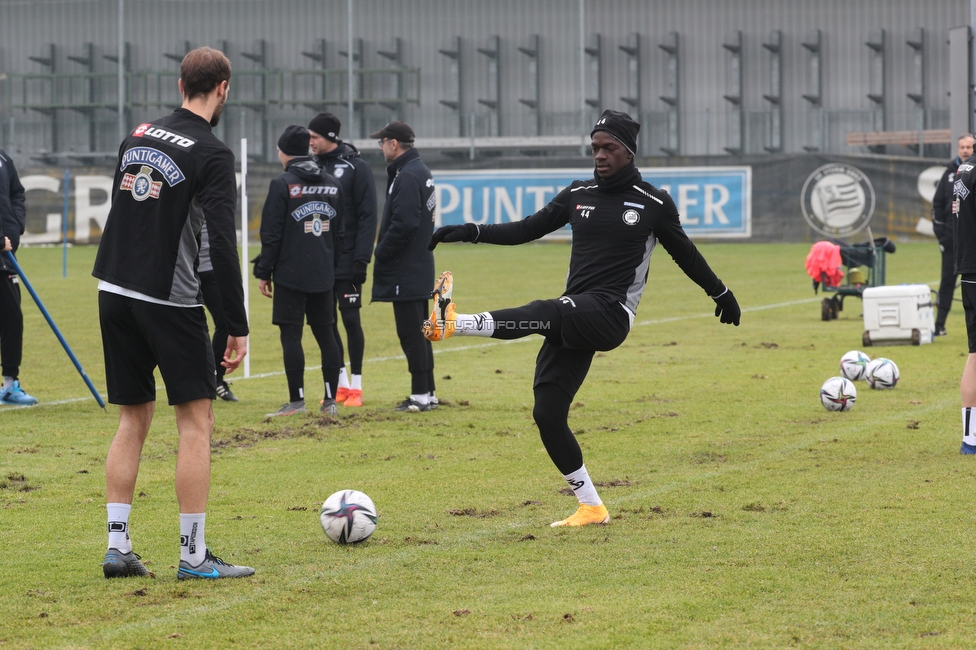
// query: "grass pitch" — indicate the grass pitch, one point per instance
point(744, 514)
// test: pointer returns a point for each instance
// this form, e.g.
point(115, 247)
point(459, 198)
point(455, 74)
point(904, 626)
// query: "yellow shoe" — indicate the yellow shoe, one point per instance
point(341, 395)
point(585, 516)
point(354, 397)
point(442, 319)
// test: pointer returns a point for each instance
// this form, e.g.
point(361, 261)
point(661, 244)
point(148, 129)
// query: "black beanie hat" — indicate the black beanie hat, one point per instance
point(326, 125)
point(621, 126)
point(294, 141)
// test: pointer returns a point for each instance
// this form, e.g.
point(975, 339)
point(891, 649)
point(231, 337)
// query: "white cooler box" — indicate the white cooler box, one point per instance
point(898, 314)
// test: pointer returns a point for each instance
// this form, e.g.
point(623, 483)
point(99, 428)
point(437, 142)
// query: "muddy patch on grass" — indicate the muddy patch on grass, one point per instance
point(472, 512)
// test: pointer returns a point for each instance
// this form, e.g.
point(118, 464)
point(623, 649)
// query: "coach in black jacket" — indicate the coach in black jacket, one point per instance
point(404, 271)
point(13, 220)
point(342, 161)
point(301, 230)
point(941, 215)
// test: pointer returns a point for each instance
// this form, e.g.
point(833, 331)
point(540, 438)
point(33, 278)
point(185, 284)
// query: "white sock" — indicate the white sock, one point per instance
point(7, 382)
point(969, 425)
point(357, 382)
point(581, 484)
point(431, 398)
point(193, 548)
point(420, 399)
point(343, 378)
point(118, 526)
point(474, 324)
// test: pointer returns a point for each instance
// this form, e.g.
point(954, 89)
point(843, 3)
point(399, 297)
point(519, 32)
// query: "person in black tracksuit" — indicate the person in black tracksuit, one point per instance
point(13, 221)
point(617, 219)
point(404, 269)
point(301, 230)
point(342, 161)
point(963, 223)
point(173, 174)
point(941, 224)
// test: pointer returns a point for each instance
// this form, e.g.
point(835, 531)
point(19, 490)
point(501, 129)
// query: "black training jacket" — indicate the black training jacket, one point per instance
point(964, 223)
point(942, 202)
point(301, 228)
point(404, 267)
point(13, 214)
point(616, 224)
point(173, 175)
point(359, 205)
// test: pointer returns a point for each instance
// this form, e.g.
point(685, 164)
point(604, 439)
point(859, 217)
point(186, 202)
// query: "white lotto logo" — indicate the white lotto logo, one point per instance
point(837, 200)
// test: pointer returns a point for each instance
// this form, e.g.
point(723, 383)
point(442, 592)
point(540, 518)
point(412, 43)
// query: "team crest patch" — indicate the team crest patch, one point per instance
point(631, 217)
point(338, 172)
point(960, 189)
point(316, 226)
point(141, 184)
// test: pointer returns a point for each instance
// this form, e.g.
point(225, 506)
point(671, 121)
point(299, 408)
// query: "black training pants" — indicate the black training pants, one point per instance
point(11, 325)
point(947, 286)
point(212, 301)
point(409, 317)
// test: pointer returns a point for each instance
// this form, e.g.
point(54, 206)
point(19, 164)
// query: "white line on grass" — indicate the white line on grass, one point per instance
point(460, 348)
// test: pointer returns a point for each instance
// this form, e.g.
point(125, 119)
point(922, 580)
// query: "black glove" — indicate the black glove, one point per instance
point(465, 232)
point(358, 272)
point(727, 308)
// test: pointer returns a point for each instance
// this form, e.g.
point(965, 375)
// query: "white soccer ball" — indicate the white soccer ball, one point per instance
point(348, 517)
point(854, 365)
point(838, 394)
point(882, 374)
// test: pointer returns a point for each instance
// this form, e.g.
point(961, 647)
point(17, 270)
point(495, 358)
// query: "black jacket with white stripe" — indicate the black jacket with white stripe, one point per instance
point(616, 223)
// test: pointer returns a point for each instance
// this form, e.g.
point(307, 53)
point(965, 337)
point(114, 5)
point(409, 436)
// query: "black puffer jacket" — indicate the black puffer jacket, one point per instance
point(301, 228)
point(359, 205)
point(404, 267)
point(13, 216)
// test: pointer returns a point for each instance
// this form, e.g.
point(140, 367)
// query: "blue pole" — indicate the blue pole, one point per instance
point(57, 332)
point(64, 226)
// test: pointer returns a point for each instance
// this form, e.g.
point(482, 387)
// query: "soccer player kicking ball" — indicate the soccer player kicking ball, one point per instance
point(617, 220)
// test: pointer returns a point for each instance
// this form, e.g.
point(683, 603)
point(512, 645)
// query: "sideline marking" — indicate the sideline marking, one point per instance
point(462, 348)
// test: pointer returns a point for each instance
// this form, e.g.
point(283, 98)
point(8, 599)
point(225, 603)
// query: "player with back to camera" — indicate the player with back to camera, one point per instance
point(173, 174)
point(616, 219)
point(301, 231)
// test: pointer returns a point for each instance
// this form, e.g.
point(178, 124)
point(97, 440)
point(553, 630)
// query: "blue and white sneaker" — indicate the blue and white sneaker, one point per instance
point(968, 450)
point(212, 568)
point(15, 396)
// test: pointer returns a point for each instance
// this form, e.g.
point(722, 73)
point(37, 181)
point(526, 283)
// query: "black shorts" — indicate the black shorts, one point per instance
point(138, 336)
point(968, 286)
point(588, 324)
point(348, 295)
point(292, 307)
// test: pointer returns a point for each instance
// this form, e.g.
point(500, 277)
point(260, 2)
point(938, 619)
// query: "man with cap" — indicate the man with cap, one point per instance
point(404, 267)
point(616, 219)
point(342, 161)
point(301, 232)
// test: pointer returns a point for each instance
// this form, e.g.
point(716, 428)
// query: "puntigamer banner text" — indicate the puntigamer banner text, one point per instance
point(712, 201)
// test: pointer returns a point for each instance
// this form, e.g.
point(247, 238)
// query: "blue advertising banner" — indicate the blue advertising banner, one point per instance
point(712, 201)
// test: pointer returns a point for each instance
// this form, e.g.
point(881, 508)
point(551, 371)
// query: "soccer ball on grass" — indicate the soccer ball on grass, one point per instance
point(348, 517)
point(854, 364)
point(882, 374)
point(838, 394)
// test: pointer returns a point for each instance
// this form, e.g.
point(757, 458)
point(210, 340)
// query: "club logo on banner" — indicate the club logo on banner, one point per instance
point(837, 200)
